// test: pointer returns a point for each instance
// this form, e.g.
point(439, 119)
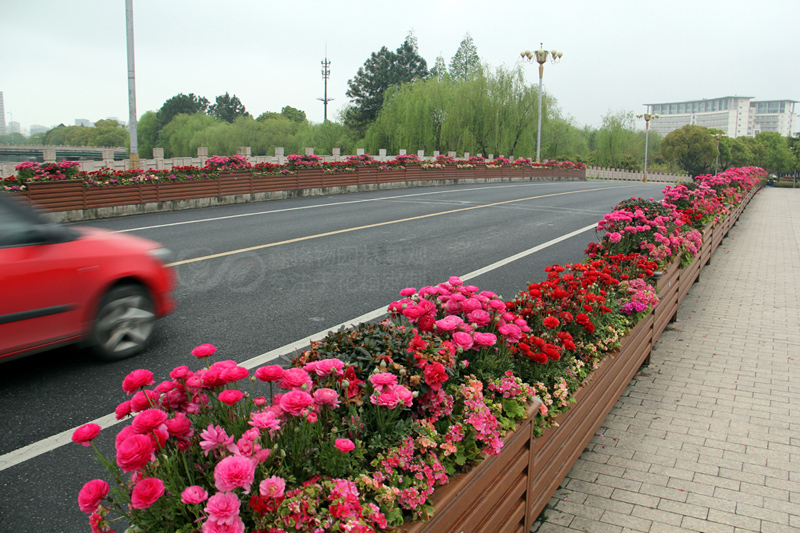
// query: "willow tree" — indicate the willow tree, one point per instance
point(617, 139)
point(492, 112)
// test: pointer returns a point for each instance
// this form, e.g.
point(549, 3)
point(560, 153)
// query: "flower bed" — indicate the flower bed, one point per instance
point(382, 424)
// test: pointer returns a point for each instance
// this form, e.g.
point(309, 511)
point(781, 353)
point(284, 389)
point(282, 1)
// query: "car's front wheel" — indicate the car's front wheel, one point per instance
point(124, 323)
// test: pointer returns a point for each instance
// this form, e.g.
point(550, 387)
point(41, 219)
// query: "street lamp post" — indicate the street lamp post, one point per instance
point(541, 58)
point(10, 130)
point(647, 118)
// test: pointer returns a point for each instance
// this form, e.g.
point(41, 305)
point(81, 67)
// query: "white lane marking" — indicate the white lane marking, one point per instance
point(336, 204)
point(65, 437)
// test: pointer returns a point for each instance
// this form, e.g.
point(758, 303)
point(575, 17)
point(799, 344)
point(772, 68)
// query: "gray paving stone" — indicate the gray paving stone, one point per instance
point(707, 435)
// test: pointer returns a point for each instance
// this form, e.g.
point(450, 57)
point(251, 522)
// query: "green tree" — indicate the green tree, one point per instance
point(186, 104)
point(293, 114)
point(493, 112)
point(617, 138)
point(56, 136)
point(382, 70)
point(776, 158)
point(692, 148)
point(147, 134)
point(466, 59)
point(184, 134)
point(227, 108)
point(109, 133)
point(439, 69)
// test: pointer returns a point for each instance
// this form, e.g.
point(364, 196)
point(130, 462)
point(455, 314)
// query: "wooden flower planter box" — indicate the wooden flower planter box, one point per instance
point(57, 195)
point(491, 497)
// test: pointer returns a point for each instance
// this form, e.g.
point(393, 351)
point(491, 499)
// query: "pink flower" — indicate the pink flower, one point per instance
point(123, 410)
point(383, 379)
point(135, 452)
point(179, 426)
point(449, 323)
point(234, 472)
point(344, 445)
point(386, 398)
point(85, 434)
point(408, 291)
point(614, 237)
point(264, 420)
point(237, 526)
point(269, 373)
point(223, 508)
point(463, 340)
point(485, 339)
point(194, 494)
point(295, 401)
point(479, 317)
point(295, 379)
point(405, 395)
point(312, 417)
point(91, 495)
point(273, 487)
point(146, 492)
point(144, 399)
point(204, 350)
point(149, 420)
point(235, 373)
point(136, 380)
point(325, 367)
point(180, 372)
point(327, 397)
point(214, 437)
point(230, 397)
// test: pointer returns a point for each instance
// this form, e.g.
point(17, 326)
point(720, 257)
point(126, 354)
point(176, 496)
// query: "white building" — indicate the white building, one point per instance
point(736, 116)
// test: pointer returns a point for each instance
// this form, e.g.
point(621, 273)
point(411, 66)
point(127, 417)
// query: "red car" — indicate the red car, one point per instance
point(60, 285)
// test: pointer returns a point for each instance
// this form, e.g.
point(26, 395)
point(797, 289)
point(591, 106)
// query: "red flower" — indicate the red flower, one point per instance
point(204, 350)
point(85, 434)
point(551, 322)
point(435, 375)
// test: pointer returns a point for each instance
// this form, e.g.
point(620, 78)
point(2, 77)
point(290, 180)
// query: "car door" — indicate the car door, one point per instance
point(40, 292)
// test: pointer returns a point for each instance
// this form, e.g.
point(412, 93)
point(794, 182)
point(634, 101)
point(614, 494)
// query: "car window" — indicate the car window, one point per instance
point(16, 229)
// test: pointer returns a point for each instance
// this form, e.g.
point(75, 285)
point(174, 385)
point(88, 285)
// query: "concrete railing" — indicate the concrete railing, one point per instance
point(627, 175)
point(158, 162)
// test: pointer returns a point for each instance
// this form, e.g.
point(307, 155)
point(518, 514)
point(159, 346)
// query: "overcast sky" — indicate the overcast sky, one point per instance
point(61, 60)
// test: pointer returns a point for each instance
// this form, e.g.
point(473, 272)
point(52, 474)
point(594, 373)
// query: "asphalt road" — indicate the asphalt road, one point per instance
point(257, 277)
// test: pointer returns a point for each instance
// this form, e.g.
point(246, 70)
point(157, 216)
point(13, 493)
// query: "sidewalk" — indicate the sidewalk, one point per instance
point(707, 438)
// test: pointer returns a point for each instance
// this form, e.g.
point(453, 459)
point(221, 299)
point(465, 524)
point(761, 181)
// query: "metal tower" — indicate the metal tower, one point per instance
point(326, 73)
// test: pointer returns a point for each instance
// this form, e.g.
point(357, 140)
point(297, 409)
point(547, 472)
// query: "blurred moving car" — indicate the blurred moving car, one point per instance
point(60, 285)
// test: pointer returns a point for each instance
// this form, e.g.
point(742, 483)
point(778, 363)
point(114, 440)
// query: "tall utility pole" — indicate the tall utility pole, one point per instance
point(326, 73)
point(134, 157)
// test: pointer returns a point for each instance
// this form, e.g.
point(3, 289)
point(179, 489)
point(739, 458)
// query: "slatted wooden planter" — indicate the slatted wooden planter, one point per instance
point(491, 498)
point(557, 450)
point(340, 179)
point(57, 195)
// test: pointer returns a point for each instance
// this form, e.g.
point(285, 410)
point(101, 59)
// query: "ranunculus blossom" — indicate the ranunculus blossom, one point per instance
point(214, 437)
point(204, 350)
point(344, 445)
point(230, 397)
point(385, 398)
point(295, 379)
point(485, 339)
point(383, 379)
point(136, 380)
point(85, 434)
point(180, 372)
point(179, 426)
point(210, 526)
point(146, 492)
point(234, 472)
point(295, 401)
point(91, 495)
point(463, 340)
point(264, 420)
point(149, 420)
point(479, 317)
point(235, 373)
point(551, 322)
point(135, 452)
point(269, 373)
point(123, 410)
point(325, 367)
point(223, 508)
point(194, 494)
point(325, 396)
point(273, 487)
point(144, 399)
